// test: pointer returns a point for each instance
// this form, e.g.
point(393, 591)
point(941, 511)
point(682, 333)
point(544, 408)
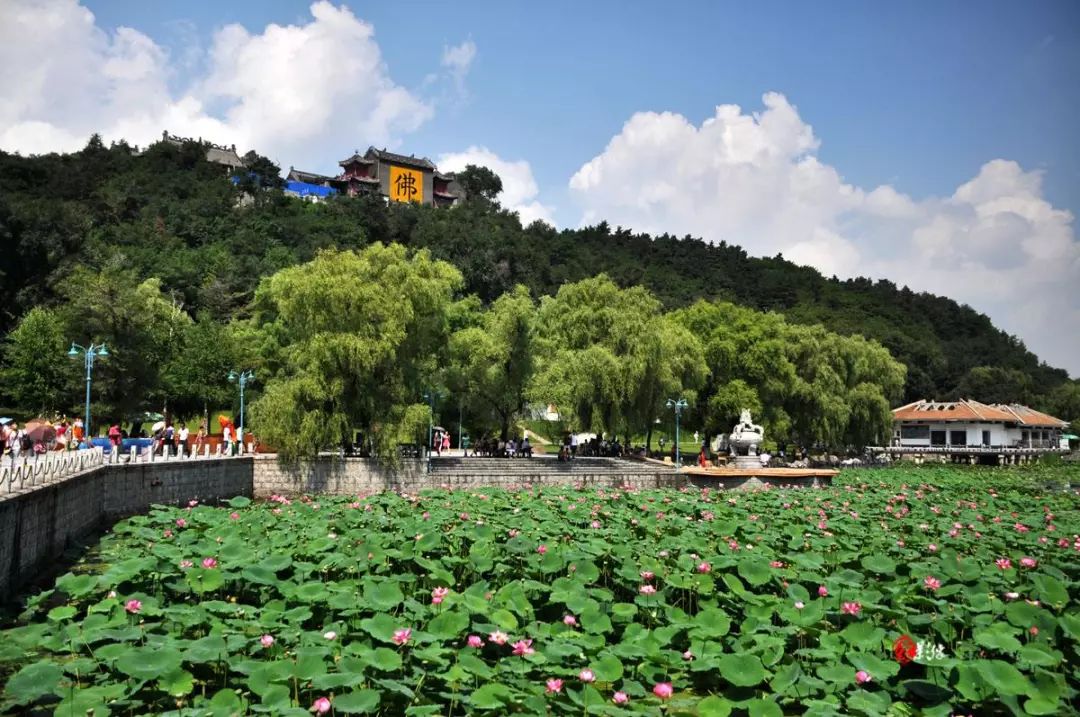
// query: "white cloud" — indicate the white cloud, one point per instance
point(753, 180)
point(519, 186)
point(305, 94)
point(458, 58)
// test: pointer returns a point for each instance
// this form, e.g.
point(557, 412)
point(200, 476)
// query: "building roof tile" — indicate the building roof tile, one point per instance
point(969, 410)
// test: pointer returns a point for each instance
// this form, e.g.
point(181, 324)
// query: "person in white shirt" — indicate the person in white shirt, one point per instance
point(573, 445)
point(227, 439)
point(181, 440)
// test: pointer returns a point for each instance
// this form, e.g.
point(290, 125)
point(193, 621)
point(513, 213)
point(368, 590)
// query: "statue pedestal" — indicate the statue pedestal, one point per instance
point(744, 462)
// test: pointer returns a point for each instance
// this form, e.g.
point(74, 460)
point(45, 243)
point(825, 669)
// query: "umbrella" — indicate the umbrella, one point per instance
point(5, 420)
point(157, 426)
point(40, 432)
point(439, 428)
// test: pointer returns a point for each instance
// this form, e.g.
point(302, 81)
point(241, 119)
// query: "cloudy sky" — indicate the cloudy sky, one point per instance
point(930, 143)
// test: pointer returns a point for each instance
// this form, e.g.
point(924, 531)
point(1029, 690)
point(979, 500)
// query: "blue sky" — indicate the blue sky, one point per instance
point(930, 143)
point(915, 94)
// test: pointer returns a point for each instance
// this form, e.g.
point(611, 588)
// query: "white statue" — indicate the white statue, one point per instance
point(746, 436)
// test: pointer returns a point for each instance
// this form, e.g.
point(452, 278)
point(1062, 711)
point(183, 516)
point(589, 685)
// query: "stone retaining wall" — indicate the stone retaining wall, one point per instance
point(353, 476)
point(39, 523)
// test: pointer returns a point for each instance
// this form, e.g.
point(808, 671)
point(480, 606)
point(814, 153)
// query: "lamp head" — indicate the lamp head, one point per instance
point(72, 352)
point(102, 351)
point(232, 376)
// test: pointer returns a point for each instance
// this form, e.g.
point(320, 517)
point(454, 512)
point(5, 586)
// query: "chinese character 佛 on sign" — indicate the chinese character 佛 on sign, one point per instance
point(907, 650)
point(406, 185)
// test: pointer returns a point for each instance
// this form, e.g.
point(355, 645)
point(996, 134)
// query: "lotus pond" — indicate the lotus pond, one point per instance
point(903, 592)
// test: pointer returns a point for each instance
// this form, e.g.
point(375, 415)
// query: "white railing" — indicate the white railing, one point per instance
point(29, 470)
point(37, 469)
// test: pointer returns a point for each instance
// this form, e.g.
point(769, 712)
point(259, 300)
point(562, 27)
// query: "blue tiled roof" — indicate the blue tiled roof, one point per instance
point(303, 189)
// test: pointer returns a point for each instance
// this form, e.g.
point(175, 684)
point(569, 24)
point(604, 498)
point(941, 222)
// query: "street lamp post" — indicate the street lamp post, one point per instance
point(89, 353)
point(243, 378)
point(678, 405)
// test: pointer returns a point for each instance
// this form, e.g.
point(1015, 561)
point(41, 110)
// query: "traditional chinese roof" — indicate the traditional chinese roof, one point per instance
point(357, 157)
point(1030, 417)
point(354, 178)
point(299, 175)
point(967, 410)
point(445, 176)
point(411, 160)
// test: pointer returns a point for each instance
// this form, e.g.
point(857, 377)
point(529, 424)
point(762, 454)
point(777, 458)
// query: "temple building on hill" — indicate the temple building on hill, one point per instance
point(970, 431)
point(396, 177)
point(215, 153)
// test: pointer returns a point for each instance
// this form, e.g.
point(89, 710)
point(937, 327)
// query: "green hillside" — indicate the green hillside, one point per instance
point(167, 213)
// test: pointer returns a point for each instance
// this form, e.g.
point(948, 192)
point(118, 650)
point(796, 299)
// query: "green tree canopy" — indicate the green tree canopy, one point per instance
point(804, 382)
point(38, 375)
point(480, 183)
point(353, 340)
point(608, 357)
point(491, 363)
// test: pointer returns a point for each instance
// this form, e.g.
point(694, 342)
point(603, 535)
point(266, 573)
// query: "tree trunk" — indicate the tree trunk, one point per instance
point(648, 438)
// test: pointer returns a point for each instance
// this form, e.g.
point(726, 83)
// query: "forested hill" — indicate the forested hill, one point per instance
point(168, 213)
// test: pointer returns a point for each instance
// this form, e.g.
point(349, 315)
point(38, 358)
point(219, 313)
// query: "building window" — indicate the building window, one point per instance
point(958, 438)
point(914, 432)
point(937, 438)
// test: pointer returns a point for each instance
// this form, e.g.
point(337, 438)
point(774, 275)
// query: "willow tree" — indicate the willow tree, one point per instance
point(609, 358)
point(491, 362)
point(804, 382)
point(352, 341)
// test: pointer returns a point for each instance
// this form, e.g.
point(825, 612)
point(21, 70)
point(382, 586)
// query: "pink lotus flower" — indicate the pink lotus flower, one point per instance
point(569, 620)
point(851, 608)
point(209, 563)
point(321, 706)
point(587, 676)
point(330, 635)
point(438, 595)
point(1026, 562)
point(181, 523)
point(1033, 630)
point(647, 575)
point(931, 583)
point(704, 567)
point(541, 549)
point(133, 606)
point(932, 548)
point(1003, 563)
point(474, 641)
point(192, 503)
point(523, 648)
point(646, 590)
point(185, 564)
point(553, 686)
point(776, 564)
point(822, 591)
point(267, 640)
point(862, 677)
point(688, 655)
point(1011, 596)
point(663, 690)
point(595, 524)
point(168, 533)
point(234, 516)
point(499, 637)
point(620, 698)
point(799, 604)
point(402, 635)
point(953, 533)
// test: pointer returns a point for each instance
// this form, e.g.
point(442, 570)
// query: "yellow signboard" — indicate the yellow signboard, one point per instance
point(406, 185)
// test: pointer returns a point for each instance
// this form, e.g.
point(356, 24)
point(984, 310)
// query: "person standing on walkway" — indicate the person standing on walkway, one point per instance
point(573, 445)
point(200, 438)
point(181, 439)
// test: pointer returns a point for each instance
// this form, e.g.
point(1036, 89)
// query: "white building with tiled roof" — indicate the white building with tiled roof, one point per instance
point(971, 428)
